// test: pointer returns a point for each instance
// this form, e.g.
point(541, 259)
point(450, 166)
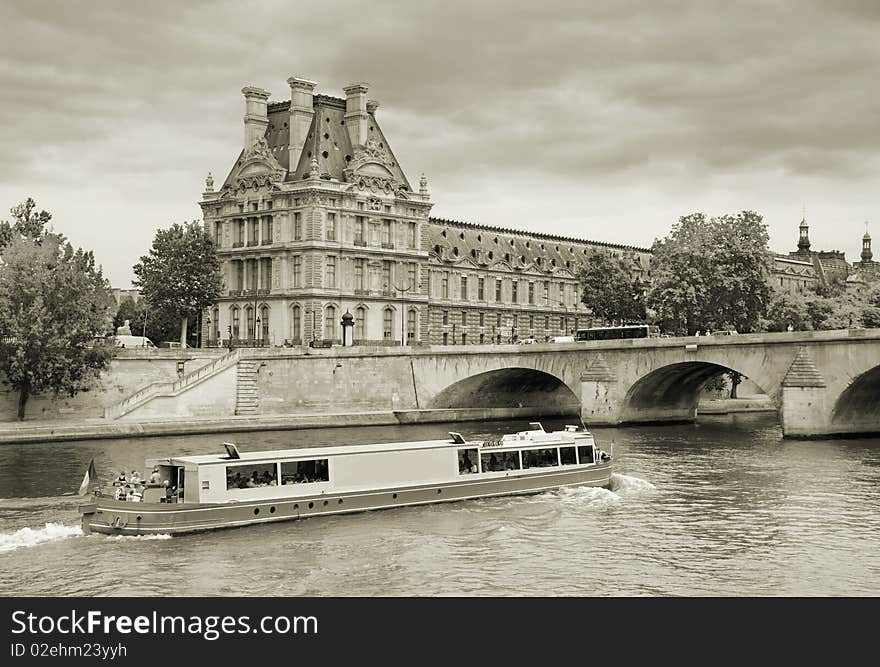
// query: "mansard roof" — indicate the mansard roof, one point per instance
point(521, 248)
point(327, 140)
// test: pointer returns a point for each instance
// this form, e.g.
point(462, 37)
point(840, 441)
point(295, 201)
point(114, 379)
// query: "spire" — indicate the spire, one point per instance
point(804, 238)
point(867, 255)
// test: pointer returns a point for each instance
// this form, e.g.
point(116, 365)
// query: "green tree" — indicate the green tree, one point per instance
point(612, 289)
point(871, 317)
point(157, 326)
point(180, 276)
point(26, 222)
point(788, 309)
point(712, 273)
point(53, 301)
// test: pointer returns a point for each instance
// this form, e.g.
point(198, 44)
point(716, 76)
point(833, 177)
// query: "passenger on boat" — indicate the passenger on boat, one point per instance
point(135, 477)
point(154, 476)
point(119, 494)
point(121, 480)
point(267, 478)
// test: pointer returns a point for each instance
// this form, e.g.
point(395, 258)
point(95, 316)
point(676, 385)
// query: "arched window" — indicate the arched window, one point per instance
point(249, 313)
point(264, 322)
point(387, 323)
point(296, 323)
point(329, 323)
point(360, 323)
point(236, 323)
point(411, 325)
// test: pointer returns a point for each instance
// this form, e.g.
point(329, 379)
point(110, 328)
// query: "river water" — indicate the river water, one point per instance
point(722, 507)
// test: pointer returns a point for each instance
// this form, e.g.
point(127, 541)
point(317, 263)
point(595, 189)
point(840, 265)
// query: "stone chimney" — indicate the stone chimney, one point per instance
point(302, 110)
point(256, 119)
point(356, 116)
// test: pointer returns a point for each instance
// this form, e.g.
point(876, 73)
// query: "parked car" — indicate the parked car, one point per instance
point(526, 341)
point(133, 342)
point(562, 339)
point(173, 345)
point(725, 332)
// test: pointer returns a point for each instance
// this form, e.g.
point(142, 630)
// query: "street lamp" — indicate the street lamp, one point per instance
point(402, 290)
point(256, 319)
point(208, 322)
point(256, 329)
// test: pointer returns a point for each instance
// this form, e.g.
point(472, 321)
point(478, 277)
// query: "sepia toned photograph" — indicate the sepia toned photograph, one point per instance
point(439, 299)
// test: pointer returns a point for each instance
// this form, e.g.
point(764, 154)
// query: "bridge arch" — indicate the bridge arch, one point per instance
point(858, 406)
point(671, 392)
point(511, 387)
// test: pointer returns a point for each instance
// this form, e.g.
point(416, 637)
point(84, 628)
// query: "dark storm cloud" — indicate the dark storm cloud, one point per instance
point(667, 95)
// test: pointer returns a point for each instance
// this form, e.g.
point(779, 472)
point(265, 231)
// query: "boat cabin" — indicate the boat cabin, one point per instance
point(236, 476)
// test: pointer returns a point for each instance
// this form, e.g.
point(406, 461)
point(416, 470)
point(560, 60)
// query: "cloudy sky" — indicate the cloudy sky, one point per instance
point(599, 119)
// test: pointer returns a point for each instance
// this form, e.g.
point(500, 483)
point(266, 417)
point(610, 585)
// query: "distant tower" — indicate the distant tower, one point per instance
point(867, 255)
point(804, 239)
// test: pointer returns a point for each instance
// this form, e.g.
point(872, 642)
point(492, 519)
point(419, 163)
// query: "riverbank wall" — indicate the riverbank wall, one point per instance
point(99, 429)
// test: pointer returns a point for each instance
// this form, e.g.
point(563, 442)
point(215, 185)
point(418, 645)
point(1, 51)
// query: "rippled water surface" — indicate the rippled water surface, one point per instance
point(722, 507)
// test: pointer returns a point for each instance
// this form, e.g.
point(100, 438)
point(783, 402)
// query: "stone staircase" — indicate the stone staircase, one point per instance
point(185, 383)
point(247, 401)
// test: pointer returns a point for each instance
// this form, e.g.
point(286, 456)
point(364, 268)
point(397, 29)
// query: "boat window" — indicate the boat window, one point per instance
point(567, 456)
point(467, 461)
point(585, 454)
point(540, 458)
point(305, 472)
point(500, 461)
point(250, 476)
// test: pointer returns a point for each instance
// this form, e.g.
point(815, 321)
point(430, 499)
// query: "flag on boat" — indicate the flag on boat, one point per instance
point(87, 478)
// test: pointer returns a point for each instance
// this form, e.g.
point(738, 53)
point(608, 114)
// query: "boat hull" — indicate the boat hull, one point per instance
point(113, 517)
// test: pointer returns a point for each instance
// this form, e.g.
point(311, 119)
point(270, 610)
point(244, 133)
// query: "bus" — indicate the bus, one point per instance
point(617, 333)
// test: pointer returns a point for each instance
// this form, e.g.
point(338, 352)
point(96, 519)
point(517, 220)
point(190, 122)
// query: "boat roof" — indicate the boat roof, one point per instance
point(535, 436)
point(315, 452)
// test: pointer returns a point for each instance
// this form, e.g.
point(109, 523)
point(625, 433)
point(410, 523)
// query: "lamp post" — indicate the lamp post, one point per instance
point(208, 322)
point(402, 290)
point(256, 329)
point(256, 294)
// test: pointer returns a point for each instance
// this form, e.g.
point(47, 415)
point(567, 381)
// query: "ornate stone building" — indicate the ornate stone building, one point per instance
point(316, 219)
point(805, 269)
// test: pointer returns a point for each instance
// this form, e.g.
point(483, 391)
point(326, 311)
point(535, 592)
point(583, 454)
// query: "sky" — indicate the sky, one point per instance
point(605, 120)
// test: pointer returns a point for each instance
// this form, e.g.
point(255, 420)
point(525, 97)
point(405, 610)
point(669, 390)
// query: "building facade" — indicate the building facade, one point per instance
point(316, 219)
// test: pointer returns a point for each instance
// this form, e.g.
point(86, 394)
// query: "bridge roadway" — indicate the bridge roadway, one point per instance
point(822, 382)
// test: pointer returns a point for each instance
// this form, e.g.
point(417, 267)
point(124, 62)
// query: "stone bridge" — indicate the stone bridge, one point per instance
point(822, 382)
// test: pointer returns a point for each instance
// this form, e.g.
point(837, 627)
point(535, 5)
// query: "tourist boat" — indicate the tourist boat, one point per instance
point(236, 488)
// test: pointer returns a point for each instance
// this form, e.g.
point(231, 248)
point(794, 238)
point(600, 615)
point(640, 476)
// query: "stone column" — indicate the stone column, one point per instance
point(600, 394)
point(804, 398)
point(356, 117)
point(256, 118)
point(302, 111)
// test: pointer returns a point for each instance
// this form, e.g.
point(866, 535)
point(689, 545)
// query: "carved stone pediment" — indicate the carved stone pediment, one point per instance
point(372, 169)
point(259, 165)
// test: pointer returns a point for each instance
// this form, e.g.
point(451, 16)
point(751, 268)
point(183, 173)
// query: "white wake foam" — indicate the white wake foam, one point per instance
point(621, 482)
point(158, 536)
point(29, 537)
